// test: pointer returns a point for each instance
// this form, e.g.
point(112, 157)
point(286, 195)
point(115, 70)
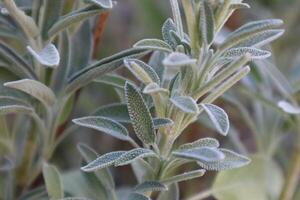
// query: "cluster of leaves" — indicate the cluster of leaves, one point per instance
point(184, 76)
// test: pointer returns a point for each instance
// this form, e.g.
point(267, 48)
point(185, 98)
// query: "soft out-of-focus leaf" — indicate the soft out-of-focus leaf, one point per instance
point(53, 182)
point(153, 44)
point(116, 111)
point(186, 104)
point(156, 63)
point(142, 71)
point(73, 18)
point(48, 56)
point(150, 186)
point(101, 3)
point(172, 193)
point(6, 164)
point(112, 80)
point(206, 154)
point(232, 160)
point(162, 122)
point(132, 155)
point(178, 59)
point(288, 107)
point(206, 22)
point(254, 53)
point(103, 161)
point(139, 115)
point(105, 125)
point(11, 105)
point(184, 177)
point(34, 88)
point(137, 196)
point(36, 193)
point(203, 142)
point(218, 116)
point(109, 64)
point(260, 180)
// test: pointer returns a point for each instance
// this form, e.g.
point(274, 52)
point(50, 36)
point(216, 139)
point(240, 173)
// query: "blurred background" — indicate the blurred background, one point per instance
point(132, 20)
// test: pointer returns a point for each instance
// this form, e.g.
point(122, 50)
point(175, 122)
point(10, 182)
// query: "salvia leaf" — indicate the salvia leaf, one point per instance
point(232, 160)
point(167, 27)
point(153, 44)
point(34, 88)
point(53, 182)
point(130, 156)
point(288, 107)
point(105, 125)
point(186, 104)
point(48, 56)
point(112, 80)
point(101, 3)
point(117, 112)
point(235, 6)
point(172, 193)
point(103, 161)
point(11, 105)
point(184, 177)
point(139, 115)
point(138, 196)
point(178, 60)
point(203, 142)
point(153, 88)
point(162, 122)
point(253, 53)
point(142, 71)
point(206, 154)
point(206, 22)
point(150, 186)
point(156, 63)
point(218, 116)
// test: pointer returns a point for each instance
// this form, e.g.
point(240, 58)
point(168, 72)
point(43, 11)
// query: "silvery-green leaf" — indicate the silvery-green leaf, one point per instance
point(142, 170)
point(150, 186)
point(288, 107)
point(203, 142)
point(19, 65)
point(142, 71)
point(34, 88)
point(178, 59)
point(112, 80)
point(137, 196)
point(167, 27)
point(102, 3)
point(48, 56)
point(139, 115)
point(184, 177)
point(153, 44)
point(73, 18)
point(156, 63)
point(12, 105)
point(162, 122)
point(206, 22)
point(109, 64)
point(232, 160)
point(6, 164)
point(153, 88)
point(130, 156)
point(218, 116)
point(172, 193)
point(36, 193)
point(103, 161)
point(254, 53)
point(205, 154)
point(53, 182)
point(105, 125)
point(235, 6)
point(116, 111)
point(186, 104)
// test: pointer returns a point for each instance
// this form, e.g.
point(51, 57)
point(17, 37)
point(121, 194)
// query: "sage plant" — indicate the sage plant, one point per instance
point(186, 73)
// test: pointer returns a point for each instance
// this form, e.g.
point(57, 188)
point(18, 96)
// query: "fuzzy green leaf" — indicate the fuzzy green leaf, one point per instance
point(112, 80)
point(232, 160)
point(48, 56)
point(103, 161)
point(206, 154)
point(218, 116)
point(117, 112)
point(203, 142)
point(178, 60)
point(206, 22)
point(172, 193)
point(142, 71)
point(132, 155)
point(156, 63)
point(105, 125)
point(102, 3)
point(162, 122)
point(139, 115)
point(11, 105)
point(288, 107)
point(254, 53)
point(150, 186)
point(167, 27)
point(34, 88)
point(184, 177)
point(53, 182)
point(186, 104)
point(137, 196)
point(153, 44)
point(154, 88)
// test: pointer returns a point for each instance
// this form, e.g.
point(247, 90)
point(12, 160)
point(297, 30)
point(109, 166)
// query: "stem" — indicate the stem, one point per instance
point(177, 17)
